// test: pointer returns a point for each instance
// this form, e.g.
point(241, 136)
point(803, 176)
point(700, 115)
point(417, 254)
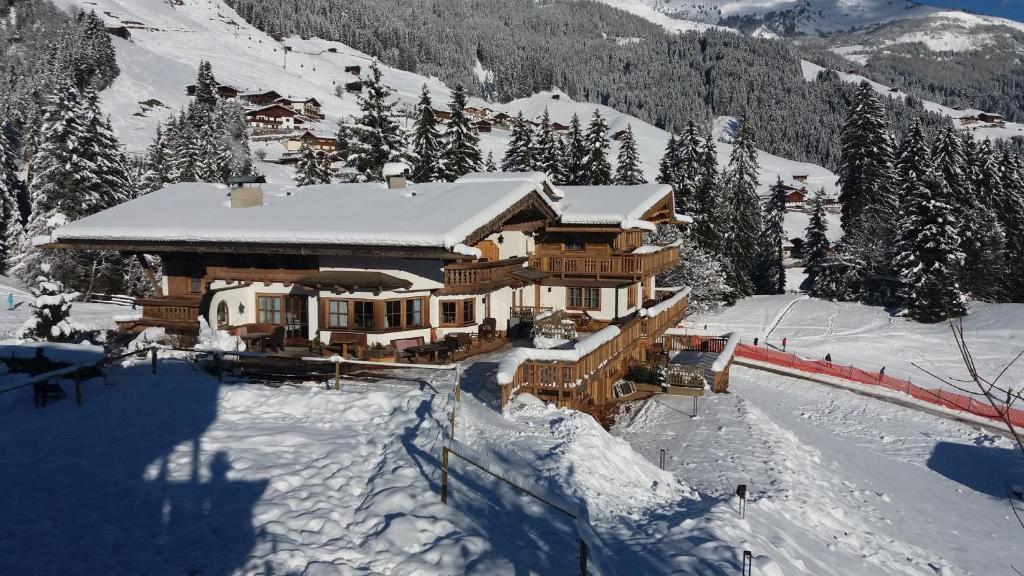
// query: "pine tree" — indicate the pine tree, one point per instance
point(1011, 215)
point(669, 161)
point(155, 175)
point(771, 276)
point(697, 268)
point(596, 168)
point(115, 183)
point(51, 310)
point(376, 137)
point(978, 240)
point(307, 170)
point(575, 154)
point(686, 168)
point(816, 244)
point(206, 86)
point(10, 216)
point(426, 142)
point(914, 156)
point(835, 279)
point(628, 171)
point(866, 163)
point(519, 154)
point(929, 253)
point(461, 153)
point(708, 217)
point(489, 165)
point(740, 239)
point(548, 150)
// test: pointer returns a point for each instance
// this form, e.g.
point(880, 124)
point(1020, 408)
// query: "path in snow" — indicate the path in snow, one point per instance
point(842, 484)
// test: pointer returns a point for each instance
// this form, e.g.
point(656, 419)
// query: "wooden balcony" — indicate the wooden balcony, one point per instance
point(170, 311)
point(481, 275)
point(633, 266)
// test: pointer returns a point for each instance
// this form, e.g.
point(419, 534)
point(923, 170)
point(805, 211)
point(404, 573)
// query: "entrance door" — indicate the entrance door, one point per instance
point(296, 319)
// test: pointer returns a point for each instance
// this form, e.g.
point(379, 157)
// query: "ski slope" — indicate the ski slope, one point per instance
point(841, 484)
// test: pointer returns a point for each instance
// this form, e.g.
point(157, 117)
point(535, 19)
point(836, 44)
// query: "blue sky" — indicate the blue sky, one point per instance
point(1005, 8)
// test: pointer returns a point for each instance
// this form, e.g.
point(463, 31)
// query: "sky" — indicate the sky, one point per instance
point(1006, 8)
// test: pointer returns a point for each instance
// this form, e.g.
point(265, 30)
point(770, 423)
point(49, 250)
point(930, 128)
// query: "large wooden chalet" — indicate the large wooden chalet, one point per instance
point(380, 263)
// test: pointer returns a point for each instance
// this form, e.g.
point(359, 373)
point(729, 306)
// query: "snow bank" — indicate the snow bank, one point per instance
point(725, 356)
point(665, 304)
point(210, 339)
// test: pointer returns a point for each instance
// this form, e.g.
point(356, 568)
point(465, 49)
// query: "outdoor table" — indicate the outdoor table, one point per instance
point(255, 338)
point(432, 349)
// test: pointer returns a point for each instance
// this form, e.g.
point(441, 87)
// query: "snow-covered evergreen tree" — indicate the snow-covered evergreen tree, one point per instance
point(519, 154)
point(709, 220)
point(669, 162)
point(816, 244)
point(1011, 213)
point(206, 86)
point(686, 168)
point(771, 276)
point(51, 310)
point(155, 175)
point(866, 164)
point(461, 154)
point(628, 171)
point(548, 153)
point(743, 228)
point(426, 141)
point(376, 137)
point(489, 164)
point(597, 170)
point(699, 269)
point(929, 255)
point(574, 157)
point(309, 169)
point(10, 215)
point(836, 278)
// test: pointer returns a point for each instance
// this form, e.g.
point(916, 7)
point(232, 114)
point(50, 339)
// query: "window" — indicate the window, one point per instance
point(414, 312)
point(583, 298)
point(337, 313)
point(393, 314)
point(468, 311)
point(575, 243)
point(222, 315)
point(362, 315)
point(449, 313)
point(195, 284)
point(269, 309)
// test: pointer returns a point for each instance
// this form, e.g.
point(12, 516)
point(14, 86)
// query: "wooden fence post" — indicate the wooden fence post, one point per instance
point(78, 388)
point(444, 475)
point(583, 557)
point(452, 419)
point(153, 353)
point(337, 375)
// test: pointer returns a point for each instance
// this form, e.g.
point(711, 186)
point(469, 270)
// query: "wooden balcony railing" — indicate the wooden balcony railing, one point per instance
point(174, 311)
point(630, 265)
point(482, 273)
point(591, 376)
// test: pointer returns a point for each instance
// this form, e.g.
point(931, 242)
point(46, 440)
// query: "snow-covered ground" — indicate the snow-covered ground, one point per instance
point(869, 337)
point(840, 484)
point(87, 316)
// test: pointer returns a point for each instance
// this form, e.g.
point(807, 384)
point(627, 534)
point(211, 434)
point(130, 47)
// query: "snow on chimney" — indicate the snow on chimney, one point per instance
point(395, 174)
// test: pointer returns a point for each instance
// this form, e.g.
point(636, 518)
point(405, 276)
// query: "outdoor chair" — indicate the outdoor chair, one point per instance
point(488, 329)
point(276, 340)
point(402, 346)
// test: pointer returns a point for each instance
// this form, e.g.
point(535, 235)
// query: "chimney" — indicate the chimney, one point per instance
point(246, 191)
point(395, 175)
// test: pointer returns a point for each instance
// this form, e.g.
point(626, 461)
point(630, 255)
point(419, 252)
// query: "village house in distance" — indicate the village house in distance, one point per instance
point(397, 264)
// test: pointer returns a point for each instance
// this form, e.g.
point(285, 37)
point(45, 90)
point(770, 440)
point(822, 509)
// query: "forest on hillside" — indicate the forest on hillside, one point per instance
point(662, 78)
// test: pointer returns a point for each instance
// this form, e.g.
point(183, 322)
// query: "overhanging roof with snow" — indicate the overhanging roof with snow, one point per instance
point(435, 220)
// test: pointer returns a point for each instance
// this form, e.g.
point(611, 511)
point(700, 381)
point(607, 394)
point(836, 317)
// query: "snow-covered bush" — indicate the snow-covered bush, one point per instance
point(51, 310)
point(699, 269)
point(211, 339)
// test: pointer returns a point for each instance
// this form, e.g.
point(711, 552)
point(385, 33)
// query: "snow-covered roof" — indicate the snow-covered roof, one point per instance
point(432, 215)
point(438, 215)
point(614, 205)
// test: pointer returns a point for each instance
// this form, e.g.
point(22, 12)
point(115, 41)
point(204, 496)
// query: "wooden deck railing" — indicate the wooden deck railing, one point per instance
point(590, 378)
point(613, 265)
point(169, 311)
point(475, 273)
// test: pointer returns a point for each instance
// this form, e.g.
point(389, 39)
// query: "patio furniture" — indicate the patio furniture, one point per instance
point(254, 340)
point(340, 342)
point(432, 350)
point(489, 329)
point(402, 346)
point(276, 339)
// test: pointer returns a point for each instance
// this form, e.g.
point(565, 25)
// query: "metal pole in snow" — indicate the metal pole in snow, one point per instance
point(661, 460)
point(741, 491)
point(748, 563)
point(694, 406)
